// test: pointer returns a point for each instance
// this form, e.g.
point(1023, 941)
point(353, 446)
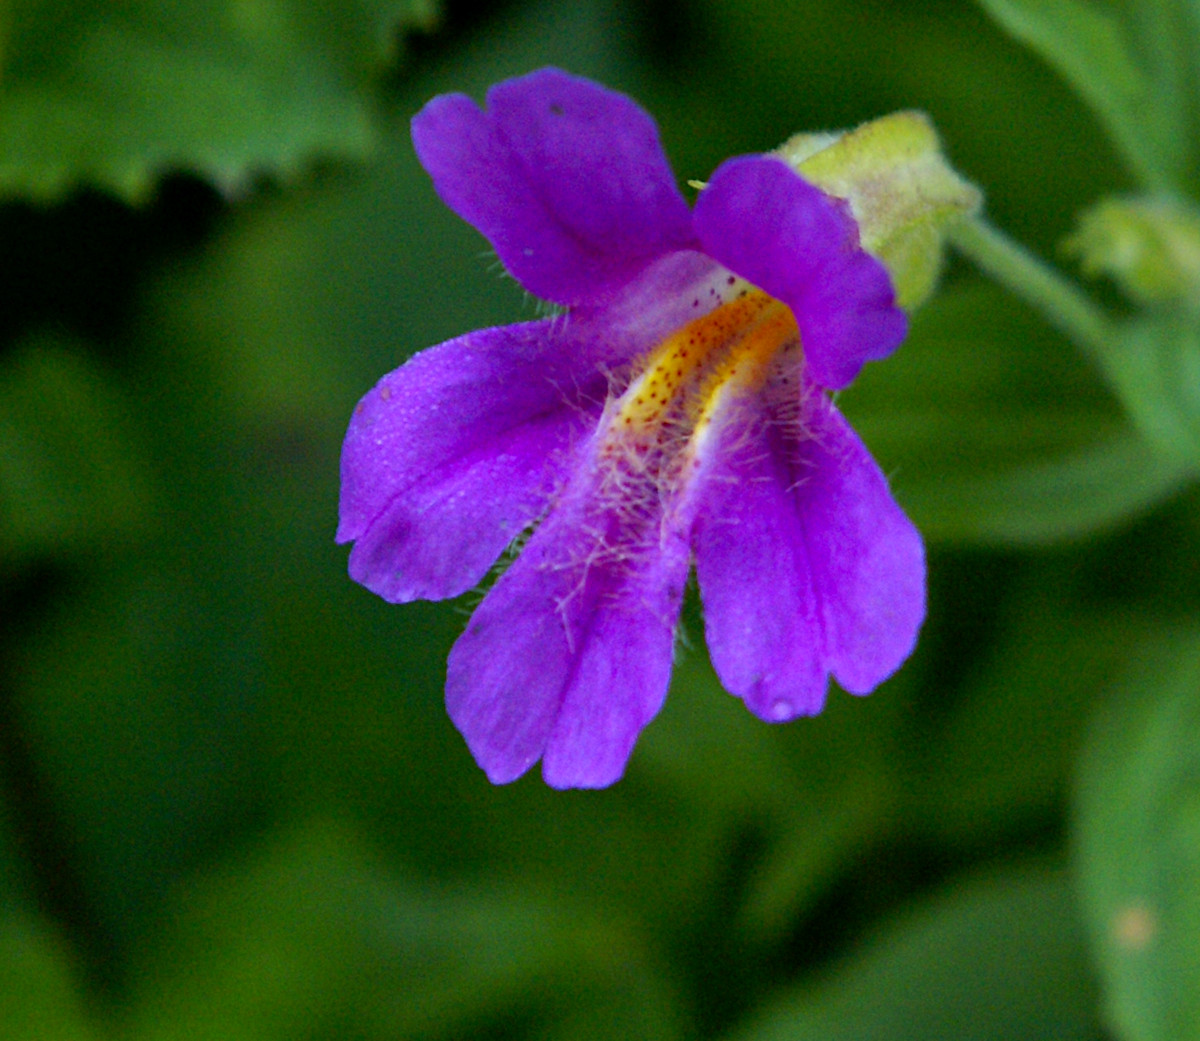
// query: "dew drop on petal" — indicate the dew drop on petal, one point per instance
point(781, 710)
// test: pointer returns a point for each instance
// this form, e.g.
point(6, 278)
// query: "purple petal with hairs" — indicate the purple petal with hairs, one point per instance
point(565, 178)
point(673, 410)
point(762, 220)
point(806, 565)
point(568, 657)
point(453, 454)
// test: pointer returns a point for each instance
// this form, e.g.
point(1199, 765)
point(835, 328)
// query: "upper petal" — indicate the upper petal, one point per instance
point(569, 656)
point(565, 178)
point(453, 454)
point(762, 220)
point(806, 565)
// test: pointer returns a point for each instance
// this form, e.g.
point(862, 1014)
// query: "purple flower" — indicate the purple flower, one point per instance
point(675, 412)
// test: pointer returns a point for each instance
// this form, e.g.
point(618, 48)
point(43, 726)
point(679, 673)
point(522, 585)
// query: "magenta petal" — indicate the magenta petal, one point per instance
point(569, 656)
point(806, 564)
point(565, 178)
point(868, 557)
point(452, 455)
point(763, 221)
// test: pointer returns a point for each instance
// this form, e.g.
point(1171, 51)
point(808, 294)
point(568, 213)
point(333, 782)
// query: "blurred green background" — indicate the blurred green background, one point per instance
point(231, 804)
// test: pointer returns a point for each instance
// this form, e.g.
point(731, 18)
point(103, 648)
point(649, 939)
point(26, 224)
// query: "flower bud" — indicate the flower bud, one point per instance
point(1149, 247)
point(900, 189)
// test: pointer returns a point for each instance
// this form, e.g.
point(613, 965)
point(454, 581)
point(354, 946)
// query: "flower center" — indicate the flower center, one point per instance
point(652, 434)
point(733, 346)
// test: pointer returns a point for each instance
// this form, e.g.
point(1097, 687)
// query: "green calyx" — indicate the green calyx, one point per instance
point(1149, 246)
point(901, 190)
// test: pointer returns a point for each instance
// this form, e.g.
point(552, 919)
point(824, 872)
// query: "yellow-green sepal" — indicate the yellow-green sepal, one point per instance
point(900, 188)
point(1149, 246)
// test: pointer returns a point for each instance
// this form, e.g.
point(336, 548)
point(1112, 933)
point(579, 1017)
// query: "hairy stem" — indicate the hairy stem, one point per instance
point(1056, 298)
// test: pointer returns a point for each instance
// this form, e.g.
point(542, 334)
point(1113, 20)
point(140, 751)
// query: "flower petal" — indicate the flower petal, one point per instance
point(565, 178)
point(763, 221)
point(569, 656)
point(453, 454)
point(806, 564)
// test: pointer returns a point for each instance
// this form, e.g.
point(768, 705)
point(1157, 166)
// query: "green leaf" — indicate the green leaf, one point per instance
point(311, 936)
point(73, 474)
point(113, 94)
point(12, 869)
point(1167, 33)
point(348, 276)
point(1156, 369)
point(997, 958)
point(1138, 843)
point(39, 995)
point(308, 298)
point(1068, 497)
point(1004, 754)
point(135, 697)
point(994, 431)
point(1093, 49)
point(819, 790)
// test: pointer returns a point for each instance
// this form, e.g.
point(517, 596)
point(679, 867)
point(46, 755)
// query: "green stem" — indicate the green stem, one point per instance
point(1057, 298)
